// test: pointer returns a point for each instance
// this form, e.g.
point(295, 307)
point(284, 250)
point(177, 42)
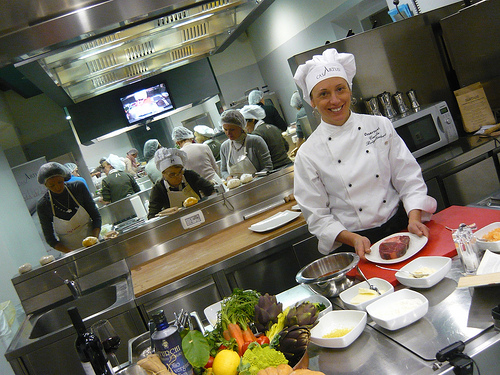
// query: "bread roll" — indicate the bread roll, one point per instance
point(26, 267)
point(246, 178)
point(306, 372)
point(190, 201)
point(233, 183)
point(89, 241)
point(168, 211)
point(46, 259)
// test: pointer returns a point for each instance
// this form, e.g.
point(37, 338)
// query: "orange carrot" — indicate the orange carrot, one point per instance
point(226, 335)
point(248, 335)
point(236, 333)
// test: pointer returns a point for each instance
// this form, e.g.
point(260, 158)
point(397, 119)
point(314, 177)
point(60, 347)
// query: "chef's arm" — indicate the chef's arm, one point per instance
point(96, 232)
point(360, 244)
point(415, 224)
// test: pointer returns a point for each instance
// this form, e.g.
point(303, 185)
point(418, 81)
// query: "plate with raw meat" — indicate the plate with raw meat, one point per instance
point(396, 248)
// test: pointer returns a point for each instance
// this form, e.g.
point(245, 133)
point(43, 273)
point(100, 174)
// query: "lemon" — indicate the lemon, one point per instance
point(226, 362)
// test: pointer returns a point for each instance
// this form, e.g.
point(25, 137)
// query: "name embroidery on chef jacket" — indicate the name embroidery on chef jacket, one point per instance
point(373, 136)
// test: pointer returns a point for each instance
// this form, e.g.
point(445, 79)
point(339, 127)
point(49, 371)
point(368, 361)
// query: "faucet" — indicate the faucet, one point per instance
point(73, 286)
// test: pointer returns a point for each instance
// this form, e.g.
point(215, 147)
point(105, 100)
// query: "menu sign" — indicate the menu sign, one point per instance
point(474, 107)
point(26, 177)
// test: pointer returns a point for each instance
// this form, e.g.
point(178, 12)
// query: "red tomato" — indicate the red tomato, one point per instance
point(222, 347)
point(263, 340)
point(245, 347)
point(210, 362)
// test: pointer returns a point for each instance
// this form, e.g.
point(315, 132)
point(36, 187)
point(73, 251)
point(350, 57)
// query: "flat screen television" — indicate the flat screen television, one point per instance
point(146, 103)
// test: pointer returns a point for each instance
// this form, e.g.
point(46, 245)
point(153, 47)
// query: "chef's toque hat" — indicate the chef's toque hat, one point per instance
point(253, 112)
point(52, 169)
point(180, 133)
point(204, 131)
point(166, 157)
point(330, 64)
point(116, 162)
point(71, 166)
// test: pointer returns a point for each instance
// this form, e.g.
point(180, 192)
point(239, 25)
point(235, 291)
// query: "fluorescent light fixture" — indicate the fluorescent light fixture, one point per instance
point(193, 20)
point(100, 51)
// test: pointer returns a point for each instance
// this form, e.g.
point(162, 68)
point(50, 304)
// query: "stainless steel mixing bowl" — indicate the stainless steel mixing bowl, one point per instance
point(328, 275)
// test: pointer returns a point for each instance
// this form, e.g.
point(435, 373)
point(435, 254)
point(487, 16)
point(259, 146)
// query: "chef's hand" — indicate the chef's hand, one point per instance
point(415, 224)
point(360, 244)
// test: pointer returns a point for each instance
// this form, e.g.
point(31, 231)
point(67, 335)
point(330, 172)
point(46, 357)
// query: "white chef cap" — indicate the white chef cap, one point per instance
point(52, 169)
point(71, 166)
point(116, 162)
point(295, 100)
point(320, 67)
point(233, 117)
point(166, 157)
point(204, 130)
point(255, 96)
point(180, 133)
point(254, 112)
point(150, 148)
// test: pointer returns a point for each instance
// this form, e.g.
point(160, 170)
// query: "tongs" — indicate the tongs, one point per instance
point(372, 287)
point(416, 275)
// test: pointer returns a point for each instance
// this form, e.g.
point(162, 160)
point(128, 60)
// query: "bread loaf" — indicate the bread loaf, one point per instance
point(26, 267)
point(46, 259)
point(190, 201)
point(89, 241)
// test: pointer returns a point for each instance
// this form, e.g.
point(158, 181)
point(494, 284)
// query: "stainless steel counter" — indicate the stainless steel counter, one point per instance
point(454, 314)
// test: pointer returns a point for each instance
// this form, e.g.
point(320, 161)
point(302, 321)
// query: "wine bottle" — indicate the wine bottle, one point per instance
point(89, 348)
point(168, 345)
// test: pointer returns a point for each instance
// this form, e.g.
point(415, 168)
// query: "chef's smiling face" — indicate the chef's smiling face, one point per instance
point(55, 184)
point(232, 131)
point(332, 99)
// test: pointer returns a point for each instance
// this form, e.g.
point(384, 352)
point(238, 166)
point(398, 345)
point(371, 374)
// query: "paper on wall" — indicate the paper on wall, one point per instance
point(474, 107)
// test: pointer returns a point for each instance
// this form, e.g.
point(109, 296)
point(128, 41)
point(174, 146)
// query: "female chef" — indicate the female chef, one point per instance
point(177, 183)
point(241, 153)
point(66, 211)
point(354, 170)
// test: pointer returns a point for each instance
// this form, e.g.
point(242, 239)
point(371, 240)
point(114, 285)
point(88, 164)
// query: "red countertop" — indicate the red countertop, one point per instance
point(440, 242)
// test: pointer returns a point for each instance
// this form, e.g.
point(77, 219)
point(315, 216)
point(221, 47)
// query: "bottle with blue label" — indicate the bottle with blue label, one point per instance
point(168, 345)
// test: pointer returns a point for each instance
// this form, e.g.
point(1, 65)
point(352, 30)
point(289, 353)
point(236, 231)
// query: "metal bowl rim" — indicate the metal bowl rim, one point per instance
point(308, 280)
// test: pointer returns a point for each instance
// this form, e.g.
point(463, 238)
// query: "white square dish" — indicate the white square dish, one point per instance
point(493, 246)
point(346, 296)
point(440, 265)
point(338, 319)
point(399, 309)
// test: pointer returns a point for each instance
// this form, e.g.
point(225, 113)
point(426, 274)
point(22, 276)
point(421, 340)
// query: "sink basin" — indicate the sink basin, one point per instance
point(58, 318)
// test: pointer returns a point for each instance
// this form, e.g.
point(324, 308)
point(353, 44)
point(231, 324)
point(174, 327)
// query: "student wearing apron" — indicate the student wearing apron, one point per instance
point(177, 184)
point(66, 211)
point(241, 153)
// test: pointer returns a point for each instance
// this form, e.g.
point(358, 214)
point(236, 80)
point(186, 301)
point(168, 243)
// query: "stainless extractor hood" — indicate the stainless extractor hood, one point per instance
point(88, 47)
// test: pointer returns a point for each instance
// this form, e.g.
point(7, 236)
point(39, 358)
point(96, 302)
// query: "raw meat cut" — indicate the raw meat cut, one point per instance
point(394, 247)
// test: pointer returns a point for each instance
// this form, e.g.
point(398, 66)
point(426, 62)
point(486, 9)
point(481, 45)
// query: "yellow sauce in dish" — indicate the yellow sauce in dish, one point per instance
point(338, 332)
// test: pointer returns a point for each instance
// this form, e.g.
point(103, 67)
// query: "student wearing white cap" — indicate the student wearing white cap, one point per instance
point(66, 211)
point(118, 184)
point(204, 134)
point(177, 183)
point(277, 145)
point(241, 153)
point(355, 180)
point(150, 148)
point(199, 156)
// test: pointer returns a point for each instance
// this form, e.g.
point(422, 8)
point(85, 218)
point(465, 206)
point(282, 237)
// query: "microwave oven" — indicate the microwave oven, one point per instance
point(427, 129)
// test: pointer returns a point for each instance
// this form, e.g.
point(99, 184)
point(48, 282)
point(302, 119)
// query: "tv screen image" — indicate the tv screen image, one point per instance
point(147, 103)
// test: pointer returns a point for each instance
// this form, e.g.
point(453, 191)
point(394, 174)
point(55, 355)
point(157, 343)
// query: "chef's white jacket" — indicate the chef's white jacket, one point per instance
point(352, 177)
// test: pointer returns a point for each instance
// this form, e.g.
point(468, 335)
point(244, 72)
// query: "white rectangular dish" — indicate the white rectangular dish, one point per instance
point(398, 309)
point(493, 246)
point(383, 286)
point(440, 265)
point(354, 321)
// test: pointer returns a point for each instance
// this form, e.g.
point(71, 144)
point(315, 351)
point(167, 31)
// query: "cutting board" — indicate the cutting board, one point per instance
point(207, 251)
point(440, 241)
point(479, 280)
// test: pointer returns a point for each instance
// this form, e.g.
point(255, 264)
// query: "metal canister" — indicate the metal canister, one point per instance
point(398, 97)
point(372, 107)
point(385, 101)
point(412, 95)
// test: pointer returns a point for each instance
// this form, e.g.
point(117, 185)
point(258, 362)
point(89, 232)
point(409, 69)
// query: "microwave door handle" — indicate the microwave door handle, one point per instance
point(440, 125)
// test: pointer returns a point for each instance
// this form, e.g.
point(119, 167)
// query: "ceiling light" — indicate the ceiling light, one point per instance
point(193, 20)
point(100, 51)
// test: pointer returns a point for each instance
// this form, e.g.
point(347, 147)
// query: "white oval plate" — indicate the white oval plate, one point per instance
point(275, 221)
point(416, 244)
